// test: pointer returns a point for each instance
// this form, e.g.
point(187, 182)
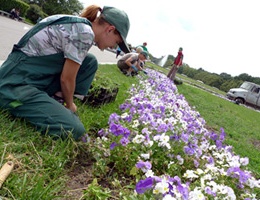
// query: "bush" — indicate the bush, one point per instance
point(35, 12)
point(8, 5)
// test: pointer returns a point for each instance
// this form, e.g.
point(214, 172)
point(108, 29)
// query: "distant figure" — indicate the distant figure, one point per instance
point(133, 49)
point(144, 48)
point(139, 49)
point(118, 51)
point(176, 64)
point(15, 14)
point(131, 63)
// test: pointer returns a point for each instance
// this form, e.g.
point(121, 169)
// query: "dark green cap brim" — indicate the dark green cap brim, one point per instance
point(123, 46)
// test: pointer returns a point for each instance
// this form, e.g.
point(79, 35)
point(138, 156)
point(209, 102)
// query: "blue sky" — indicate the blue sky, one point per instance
point(216, 35)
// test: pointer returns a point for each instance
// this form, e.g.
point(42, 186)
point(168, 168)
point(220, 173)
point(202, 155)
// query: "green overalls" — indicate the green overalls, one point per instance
point(26, 84)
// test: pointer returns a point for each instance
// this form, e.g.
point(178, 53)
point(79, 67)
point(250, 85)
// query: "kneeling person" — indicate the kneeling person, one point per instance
point(132, 62)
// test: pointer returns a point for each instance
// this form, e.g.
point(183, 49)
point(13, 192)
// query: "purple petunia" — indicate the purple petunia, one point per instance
point(113, 145)
point(143, 185)
point(124, 141)
point(116, 129)
point(144, 165)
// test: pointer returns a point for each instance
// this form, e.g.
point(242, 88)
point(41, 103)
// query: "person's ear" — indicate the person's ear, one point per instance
point(111, 28)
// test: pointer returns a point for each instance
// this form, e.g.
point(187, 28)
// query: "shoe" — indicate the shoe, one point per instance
point(59, 99)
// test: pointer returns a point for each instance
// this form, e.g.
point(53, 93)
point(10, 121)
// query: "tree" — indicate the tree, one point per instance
point(225, 76)
point(52, 7)
point(188, 71)
point(34, 13)
point(227, 85)
point(244, 77)
point(70, 7)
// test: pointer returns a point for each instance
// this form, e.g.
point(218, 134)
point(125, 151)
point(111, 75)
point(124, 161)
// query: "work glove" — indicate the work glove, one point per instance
point(134, 67)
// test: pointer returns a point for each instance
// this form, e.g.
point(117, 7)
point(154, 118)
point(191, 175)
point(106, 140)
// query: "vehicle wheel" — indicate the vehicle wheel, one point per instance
point(239, 101)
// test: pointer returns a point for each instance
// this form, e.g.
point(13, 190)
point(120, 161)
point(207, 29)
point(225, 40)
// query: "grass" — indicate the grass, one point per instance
point(43, 166)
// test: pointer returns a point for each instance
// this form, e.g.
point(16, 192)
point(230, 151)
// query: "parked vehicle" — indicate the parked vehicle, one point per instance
point(247, 93)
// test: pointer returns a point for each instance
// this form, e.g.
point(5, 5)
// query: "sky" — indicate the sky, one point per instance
point(216, 35)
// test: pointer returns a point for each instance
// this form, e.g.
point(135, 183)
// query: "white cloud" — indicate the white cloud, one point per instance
point(216, 35)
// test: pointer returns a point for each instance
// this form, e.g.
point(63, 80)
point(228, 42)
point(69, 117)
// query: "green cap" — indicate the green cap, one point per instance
point(120, 20)
point(145, 54)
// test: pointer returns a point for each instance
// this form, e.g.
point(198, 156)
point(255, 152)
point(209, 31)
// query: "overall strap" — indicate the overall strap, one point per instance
point(42, 25)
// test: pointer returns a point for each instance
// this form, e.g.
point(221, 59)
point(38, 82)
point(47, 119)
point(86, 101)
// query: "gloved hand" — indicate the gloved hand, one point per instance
point(134, 67)
point(144, 72)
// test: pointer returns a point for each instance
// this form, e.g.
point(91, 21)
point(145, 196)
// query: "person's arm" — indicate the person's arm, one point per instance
point(179, 63)
point(140, 68)
point(129, 63)
point(68, 82)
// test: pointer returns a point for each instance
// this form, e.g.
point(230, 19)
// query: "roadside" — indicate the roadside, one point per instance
point(218, 94)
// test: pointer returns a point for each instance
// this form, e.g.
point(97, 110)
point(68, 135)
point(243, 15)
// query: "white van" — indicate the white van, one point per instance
point(247, 93)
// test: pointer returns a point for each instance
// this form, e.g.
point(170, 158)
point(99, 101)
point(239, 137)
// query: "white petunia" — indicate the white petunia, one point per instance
point(146, 156)
point(135, 124)
point(149, 173)
point(161, 188)
point(169, 197)
point(138, 139)
point(124, 115)
point(196, 194)
point(244, 161)
point(190, 174)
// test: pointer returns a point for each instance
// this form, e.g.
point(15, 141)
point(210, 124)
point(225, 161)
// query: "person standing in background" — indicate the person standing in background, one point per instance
point(141, 48)
point(176, 64)
point(118, 51)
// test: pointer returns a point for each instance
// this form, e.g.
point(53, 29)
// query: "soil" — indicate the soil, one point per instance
point(256, 143)
point(79, 177)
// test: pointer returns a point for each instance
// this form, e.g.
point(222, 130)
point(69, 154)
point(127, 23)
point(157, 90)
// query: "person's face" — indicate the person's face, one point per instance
point(110, 37)
point(142, 57)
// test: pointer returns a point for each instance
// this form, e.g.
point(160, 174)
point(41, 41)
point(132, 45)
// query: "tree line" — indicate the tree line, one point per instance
point(223, 81)
point(33, 10)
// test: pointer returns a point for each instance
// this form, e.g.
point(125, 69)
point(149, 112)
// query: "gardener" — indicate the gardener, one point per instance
point(133, 62)
point(53, 59)
point(176, 65)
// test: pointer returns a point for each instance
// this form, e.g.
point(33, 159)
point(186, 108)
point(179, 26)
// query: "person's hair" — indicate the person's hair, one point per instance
point(91, 13)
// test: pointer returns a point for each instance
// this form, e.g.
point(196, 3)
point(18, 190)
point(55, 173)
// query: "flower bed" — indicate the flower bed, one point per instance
point(100, 96)
point(103, 90)
point(162, 144)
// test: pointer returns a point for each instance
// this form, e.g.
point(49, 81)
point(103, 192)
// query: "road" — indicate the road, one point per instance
point(11, 32)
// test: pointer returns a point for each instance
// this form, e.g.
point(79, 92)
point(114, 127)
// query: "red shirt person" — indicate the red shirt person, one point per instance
point(176, 64)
